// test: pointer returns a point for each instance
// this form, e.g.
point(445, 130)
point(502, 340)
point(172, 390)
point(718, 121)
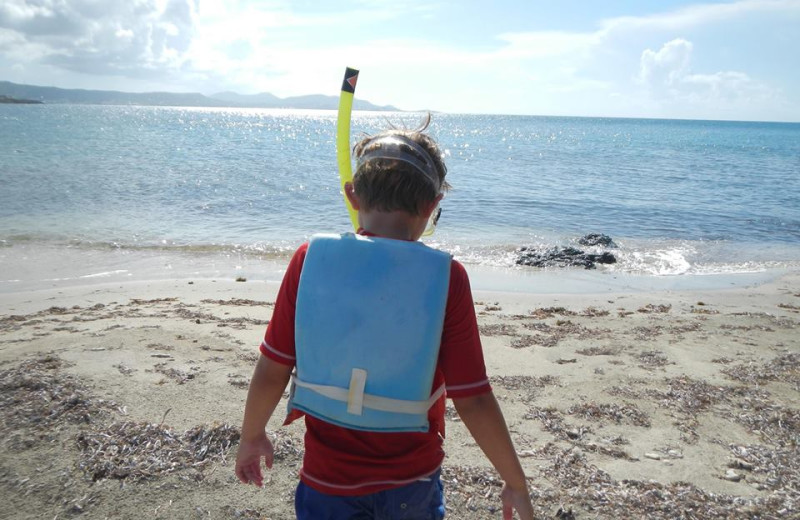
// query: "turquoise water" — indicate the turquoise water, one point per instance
point(679, 197)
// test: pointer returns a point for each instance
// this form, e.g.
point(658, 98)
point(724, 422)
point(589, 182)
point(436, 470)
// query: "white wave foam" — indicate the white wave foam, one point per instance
point(104, 274)
point(658, 262)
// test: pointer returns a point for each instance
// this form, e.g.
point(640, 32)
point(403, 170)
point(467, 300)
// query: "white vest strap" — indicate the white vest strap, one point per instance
point(374, 402)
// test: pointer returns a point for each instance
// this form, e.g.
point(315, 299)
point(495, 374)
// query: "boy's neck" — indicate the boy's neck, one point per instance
point(398, 225)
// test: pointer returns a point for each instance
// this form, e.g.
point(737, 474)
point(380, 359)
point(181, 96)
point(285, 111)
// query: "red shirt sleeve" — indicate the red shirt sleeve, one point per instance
point(278, 344)
point(461, 354)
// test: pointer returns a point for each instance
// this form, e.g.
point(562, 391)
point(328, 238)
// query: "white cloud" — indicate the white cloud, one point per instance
point(137, 38)
point(730, 87)
point(668, 66)
point(697, 15)
point(670, 82)
point(18, 48)
point(546, 43)
point(20, 11)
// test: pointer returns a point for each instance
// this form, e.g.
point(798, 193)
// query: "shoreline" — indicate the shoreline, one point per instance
point(491, 280)
point(497, 282)
point(621, 405)
point(30, 267)
point(33, 265)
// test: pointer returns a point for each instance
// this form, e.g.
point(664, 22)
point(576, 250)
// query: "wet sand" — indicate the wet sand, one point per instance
point(124, 401)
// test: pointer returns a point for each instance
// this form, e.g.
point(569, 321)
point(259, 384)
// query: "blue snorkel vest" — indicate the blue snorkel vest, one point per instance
point(368, 325)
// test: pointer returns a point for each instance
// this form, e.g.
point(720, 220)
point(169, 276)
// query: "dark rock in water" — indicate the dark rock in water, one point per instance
point(18, 101)
point(563, 257)
point(597, 239)
point(603, 258)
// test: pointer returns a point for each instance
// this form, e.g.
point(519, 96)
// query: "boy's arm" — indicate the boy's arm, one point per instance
point(266, 388)
point(484, 420)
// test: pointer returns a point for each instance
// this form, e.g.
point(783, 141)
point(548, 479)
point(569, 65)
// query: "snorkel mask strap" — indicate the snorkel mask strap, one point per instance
point(403, 149)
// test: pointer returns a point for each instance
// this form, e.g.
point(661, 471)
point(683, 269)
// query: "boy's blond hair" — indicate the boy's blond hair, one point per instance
point(393, 183)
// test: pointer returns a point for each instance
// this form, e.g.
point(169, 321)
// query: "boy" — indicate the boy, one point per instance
point(369, 322)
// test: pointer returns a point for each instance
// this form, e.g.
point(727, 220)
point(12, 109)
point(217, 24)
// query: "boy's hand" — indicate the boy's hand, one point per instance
point(248, 459)
point(519, 501)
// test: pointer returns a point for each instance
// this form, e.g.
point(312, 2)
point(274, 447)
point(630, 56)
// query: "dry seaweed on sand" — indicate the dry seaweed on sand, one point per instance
point(37, 398)
point(141, 301)
point(575, 436)
point(287, 449)
point(776, 424)
point(568, 327)
point(186, 312)
point(647, 333)
point(782, 368)
point(746, 328)
point(539, 326)
point(248, 356)
point(683, 394)
point(524, 341)
point(683, 328)
point(124, 369)
point(599, 351)
point(549, 312)
point(592, 312)
point(239, 302)
point(470, 489)
point(551, 419)
point(543, 340)
point(160, 346)
point(609, 451)
point(141, 451)
point(722, 360)
point(767, 467)
point(773, 468)
point(652, 358)
point(177, 375)
point(619, 414)
point(523, 382)
point(702, 310)
point(239, 381)
point(530, 385)
point(246, 513)
point(652, 308)
point(498, 329)
point(553, 422)
point(568, 480)
point(551, 335)
point(689, 395)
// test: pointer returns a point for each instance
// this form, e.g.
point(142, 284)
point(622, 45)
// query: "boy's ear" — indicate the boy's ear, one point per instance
point(431, 206)
point(350, 193)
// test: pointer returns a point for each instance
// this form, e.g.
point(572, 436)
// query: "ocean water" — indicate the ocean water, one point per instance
point(114, 191)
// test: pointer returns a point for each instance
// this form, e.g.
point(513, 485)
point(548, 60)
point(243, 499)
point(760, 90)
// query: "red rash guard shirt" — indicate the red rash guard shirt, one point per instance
point(343, 461)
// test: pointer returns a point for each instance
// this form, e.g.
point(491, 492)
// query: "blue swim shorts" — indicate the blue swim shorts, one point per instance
point(420, 500)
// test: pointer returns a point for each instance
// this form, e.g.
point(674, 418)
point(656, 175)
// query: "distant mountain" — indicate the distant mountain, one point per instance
point(313, 101)
point(105, 97)
point(265, 98)
point(222, 99)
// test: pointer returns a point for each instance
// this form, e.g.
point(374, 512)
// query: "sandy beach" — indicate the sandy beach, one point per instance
point(124, 400)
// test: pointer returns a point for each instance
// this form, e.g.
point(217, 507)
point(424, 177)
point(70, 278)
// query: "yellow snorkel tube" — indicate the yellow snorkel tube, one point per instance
point(343, 147)
point(343, 137)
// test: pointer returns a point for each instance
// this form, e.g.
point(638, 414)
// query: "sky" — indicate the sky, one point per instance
point(730, 60)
